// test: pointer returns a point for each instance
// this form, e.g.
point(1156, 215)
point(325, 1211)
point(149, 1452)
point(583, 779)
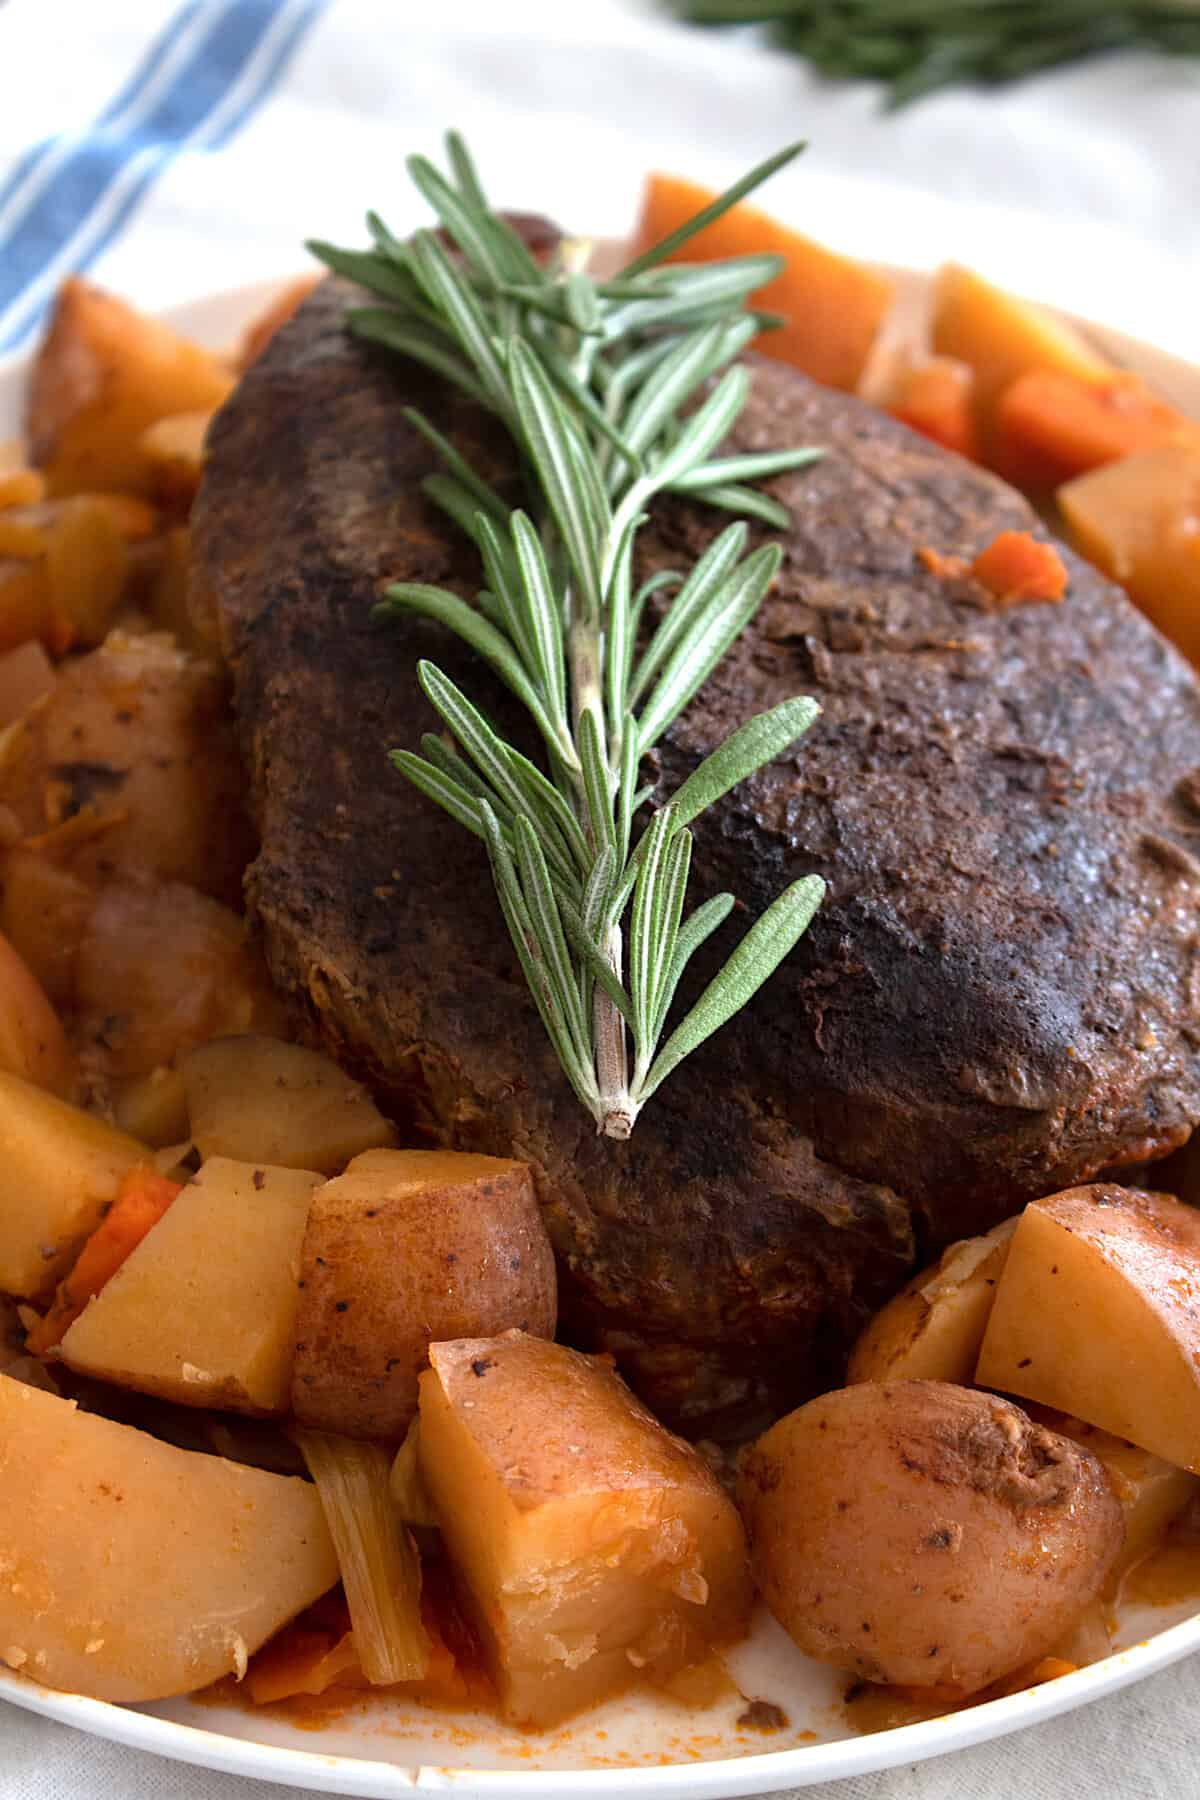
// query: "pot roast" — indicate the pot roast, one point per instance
point(1000, 996)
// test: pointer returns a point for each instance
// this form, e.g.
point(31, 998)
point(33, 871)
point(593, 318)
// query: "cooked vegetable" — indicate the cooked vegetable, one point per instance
point(594, 1546)
point(43, 911)
point(32, 1041)
point(933, 1328)
point(934, 397)
point(409, 1493)
point(174, 448)
point(258, 1097)
point(153, 1108)
point(381, 1570)
point(87, 566)
point(60, 1169)
point(303, 1662)
point(921, 1533)
point(1001, 337)
point(203, 1311)
point(19, 486)
point(317, 1651)
point(1117, 1272)
point(26, 676)
point(138, 736)
point(165, 598)
point(263, 329)
point(105, 372)
point(161, 968)
point(25, 610)
point(1051, 425)
point(135, 519)
point(832, 305)
point(1017, 567)
point(1152, 1492)
point(134, 1570)
point(141, 1201)
point(1137, 520)
point(406, 1248)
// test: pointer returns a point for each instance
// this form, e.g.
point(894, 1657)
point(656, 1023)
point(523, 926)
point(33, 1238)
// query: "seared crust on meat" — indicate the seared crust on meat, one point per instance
point(999, 997)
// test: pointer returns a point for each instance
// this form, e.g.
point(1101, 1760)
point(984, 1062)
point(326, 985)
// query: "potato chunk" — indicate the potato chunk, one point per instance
point(933, 1328)
point(59, 1169)
point(103, 374)
point(407, 1247)
point(1151, 1492)
point(32, 1041)
point(258, 1097)
point(595, 1546)
point(153, 1107)
point(133, 1570)
point(203, 1312)
point(159, 969)
point(135, 736)
point(1139, 521)
point(1000, 336)
point(917, 1532)
point(1096, 1314)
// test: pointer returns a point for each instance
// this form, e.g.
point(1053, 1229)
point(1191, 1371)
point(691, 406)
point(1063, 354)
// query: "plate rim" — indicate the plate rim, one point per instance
point(214, 318)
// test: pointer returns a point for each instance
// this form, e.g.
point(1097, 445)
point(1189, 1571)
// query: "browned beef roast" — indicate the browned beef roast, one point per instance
point(999, 997)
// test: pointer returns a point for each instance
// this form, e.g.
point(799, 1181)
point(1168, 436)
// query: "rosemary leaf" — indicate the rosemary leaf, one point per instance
point(706, 919)
point(759, 741)
point(729, 497)
point(696, 656)
point(757, 956)
point(709, 214)
point(458, 466)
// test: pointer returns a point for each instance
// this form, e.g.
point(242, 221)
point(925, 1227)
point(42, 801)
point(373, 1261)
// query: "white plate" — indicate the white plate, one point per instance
point(631, 1748)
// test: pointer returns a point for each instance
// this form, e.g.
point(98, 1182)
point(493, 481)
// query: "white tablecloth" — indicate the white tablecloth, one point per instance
point(1083, 187)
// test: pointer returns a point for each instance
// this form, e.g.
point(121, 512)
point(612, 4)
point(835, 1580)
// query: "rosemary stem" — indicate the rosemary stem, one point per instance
point(615, 1113)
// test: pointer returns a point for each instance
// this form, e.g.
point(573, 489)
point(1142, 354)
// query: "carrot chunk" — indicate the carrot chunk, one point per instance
point(1052, 426)
point(834, 306)
point(1015, 567)
point(141, 1201)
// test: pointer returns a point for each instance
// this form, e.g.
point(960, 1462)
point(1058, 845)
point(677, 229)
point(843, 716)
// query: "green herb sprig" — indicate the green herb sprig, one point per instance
point(613, 391)
point(920, 46)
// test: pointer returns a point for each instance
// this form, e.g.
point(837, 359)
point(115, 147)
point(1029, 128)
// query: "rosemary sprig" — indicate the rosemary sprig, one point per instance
point(919, 46)
point(613, 391)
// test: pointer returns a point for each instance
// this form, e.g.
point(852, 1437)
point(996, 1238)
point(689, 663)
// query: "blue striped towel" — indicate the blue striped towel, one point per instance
point(205, 73)
point(1083, 187)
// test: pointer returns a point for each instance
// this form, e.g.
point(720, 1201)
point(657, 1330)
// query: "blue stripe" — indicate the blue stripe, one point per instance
point(151, 63)
point(141, 78)
point(179, 114)
point(284, 52)
point(270, 75)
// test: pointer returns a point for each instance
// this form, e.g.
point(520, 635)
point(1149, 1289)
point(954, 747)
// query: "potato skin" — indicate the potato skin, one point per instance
point(408, 1248)
point(923, 1533)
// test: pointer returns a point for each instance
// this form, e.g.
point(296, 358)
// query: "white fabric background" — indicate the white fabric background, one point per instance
point(1082, 187)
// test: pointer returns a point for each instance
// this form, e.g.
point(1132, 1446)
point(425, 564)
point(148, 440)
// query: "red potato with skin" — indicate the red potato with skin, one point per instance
point(405, 1249)
point(925, 1534)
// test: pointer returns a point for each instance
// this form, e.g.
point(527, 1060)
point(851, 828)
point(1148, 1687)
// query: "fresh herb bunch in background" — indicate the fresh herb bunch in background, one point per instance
point(919, 46)
point(613, 391)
